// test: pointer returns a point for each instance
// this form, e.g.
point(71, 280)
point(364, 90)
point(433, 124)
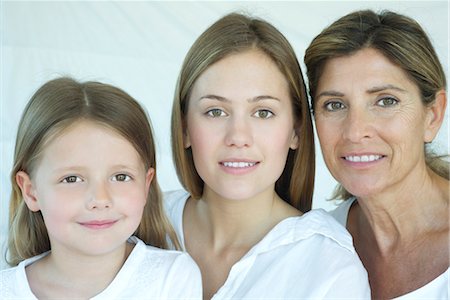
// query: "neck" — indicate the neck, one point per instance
point(420, 204)
point(241, 222)
point(84, 275)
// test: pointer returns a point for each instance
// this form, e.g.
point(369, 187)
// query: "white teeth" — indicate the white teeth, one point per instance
point(363, 158)
point(239, 164)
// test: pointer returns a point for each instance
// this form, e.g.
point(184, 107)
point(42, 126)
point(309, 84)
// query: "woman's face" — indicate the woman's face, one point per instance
point(371, 123)
point(240, 125)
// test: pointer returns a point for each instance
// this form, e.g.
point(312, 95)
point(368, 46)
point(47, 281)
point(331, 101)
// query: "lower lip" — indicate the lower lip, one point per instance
point(98, 225)
point(238, 171)
point(362, 164)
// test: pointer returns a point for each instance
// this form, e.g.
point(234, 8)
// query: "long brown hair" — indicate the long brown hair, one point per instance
point(56, 105)
point(232, 34)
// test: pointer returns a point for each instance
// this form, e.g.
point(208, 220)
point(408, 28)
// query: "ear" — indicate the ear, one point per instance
point(435, 116)
point(25, 184)
point(294, 140)
point(186, 140)
point(148, 179)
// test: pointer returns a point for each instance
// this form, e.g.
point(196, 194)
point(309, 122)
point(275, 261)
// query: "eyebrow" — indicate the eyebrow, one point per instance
point(254, 99)
point(375, 89)
point(385, 87)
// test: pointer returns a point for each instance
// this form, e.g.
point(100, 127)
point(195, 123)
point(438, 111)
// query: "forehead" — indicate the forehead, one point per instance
point(366, 68)
point(252, 71)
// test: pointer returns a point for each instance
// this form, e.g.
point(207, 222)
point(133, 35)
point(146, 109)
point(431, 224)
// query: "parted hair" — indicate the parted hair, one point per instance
point(401, 40)
point(55, 106)
point(231, 34)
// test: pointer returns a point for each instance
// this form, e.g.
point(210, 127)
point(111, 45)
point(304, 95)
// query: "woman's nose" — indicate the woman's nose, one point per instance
point(239, 132)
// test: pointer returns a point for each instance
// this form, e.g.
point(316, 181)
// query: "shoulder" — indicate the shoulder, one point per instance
point(174, 201)
point(173, 274)
point(162, 259)
point(314, 226)
point(340, 213)
point(14, 282)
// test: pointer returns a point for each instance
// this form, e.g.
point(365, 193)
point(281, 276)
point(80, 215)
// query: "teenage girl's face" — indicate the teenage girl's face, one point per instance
point(240, 125)
point(91, 187)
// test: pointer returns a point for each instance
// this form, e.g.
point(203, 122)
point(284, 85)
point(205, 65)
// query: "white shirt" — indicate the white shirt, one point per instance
point(300, 258)
point(148, 273)
point(438, 288)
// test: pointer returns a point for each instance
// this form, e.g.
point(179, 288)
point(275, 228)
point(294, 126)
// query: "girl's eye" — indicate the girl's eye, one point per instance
point(387, 101)
point(334, 106)
point(121, 177)
point(215, 112)
point(263, 114)
point(71, 179)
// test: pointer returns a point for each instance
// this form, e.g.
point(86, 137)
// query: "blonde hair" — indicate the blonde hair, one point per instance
point(401, 40)
point(232, 34)
point(55, 106)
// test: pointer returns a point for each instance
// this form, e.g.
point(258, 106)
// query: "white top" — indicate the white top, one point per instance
point(301, 257)
point(438, 288)
point(148, 273)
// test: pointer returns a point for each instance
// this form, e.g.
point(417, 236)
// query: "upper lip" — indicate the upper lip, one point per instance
point(238, 160)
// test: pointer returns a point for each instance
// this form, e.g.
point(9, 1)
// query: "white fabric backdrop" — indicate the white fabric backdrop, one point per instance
point(139, 46)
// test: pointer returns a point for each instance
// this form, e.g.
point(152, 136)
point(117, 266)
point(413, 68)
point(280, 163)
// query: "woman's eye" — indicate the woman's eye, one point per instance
point(121, 177)
point(334, 105)
point(215, 112)
point(388, 101)
point(71, 179)
point(263, 114)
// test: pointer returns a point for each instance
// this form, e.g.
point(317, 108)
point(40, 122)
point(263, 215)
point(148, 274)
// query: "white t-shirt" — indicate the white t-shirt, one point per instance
point(438, 288)
point(148, 273)
point(300, 258)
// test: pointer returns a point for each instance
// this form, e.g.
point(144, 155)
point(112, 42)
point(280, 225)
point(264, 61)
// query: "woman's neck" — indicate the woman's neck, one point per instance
point(406, 211)
point(240, 222)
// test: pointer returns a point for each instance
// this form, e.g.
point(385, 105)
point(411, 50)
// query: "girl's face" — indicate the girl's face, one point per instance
point(91, 187)
point(240, 125)
point(371, 123)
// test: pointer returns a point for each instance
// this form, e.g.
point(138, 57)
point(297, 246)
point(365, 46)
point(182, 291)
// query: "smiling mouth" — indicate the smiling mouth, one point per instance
point(238, 164)
point(363, 158)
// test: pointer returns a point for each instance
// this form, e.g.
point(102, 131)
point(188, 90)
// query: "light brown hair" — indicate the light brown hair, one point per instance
point(55, 106)
point(400, 39)
point(235, 33)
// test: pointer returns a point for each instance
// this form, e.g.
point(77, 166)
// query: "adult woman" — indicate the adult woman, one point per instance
point(243, 148)
point(378, 93)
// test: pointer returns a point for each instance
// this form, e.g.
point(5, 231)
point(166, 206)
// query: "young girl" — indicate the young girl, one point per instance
point(85, 202)
point(243, 148)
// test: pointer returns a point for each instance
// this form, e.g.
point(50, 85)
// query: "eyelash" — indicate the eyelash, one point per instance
point(66, 179)
point(395, 101)
point(269, 114)
point(328, 105)
point(211, 113)
point(127, 177)
point(74, 179)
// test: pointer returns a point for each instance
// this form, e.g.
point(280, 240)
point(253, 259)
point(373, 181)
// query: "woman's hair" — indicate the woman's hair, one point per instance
point(236, 33)
point(400, 39)
point(55, 106)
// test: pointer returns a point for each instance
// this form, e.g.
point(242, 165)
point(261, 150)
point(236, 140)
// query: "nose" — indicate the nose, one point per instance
point(239, 132)
point(358, 125)
point(100, 197)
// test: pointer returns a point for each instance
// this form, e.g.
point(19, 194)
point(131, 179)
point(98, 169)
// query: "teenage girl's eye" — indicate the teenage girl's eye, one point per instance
point(121, 177)
point(387, 101)
point(334, 106)
point(71, 179)
point(263, 114)
point(215, 112)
